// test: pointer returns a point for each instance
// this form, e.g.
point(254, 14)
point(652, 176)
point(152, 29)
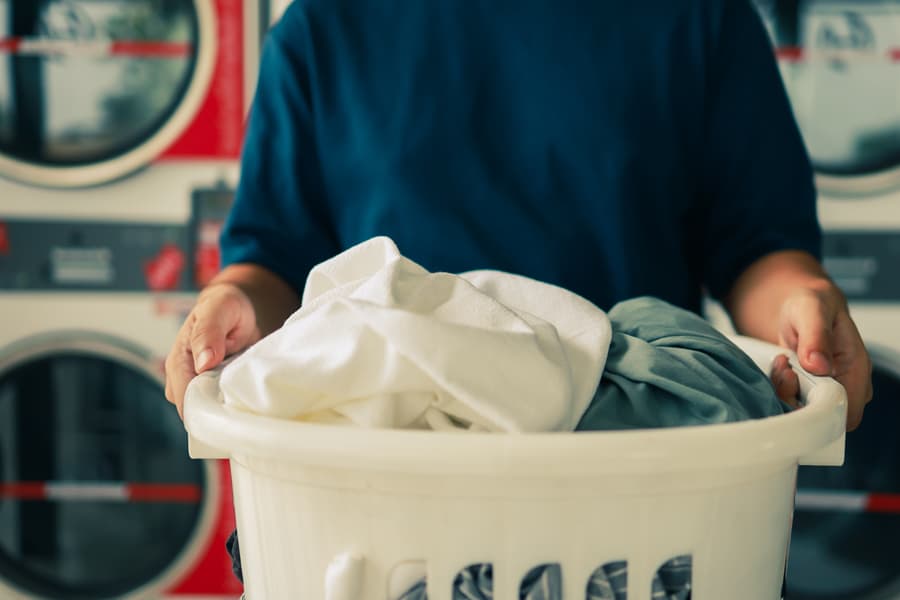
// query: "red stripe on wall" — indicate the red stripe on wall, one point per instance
point(883, 503)
point(161, 49)
point(10, 44)
point(23, 490)
point(797, 54)
point(156, 492)
point(134, 492)
point(131, 48)
point(789, 53)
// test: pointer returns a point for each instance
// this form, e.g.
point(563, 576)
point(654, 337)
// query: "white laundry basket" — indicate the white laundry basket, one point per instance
point(310, 497)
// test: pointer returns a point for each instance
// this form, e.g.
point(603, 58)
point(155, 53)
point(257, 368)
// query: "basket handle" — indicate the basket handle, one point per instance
point(821, 394)
point(203, 396)
point(831, 395)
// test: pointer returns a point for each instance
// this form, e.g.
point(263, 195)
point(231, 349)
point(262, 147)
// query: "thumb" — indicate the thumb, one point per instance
point(813, 329)
point(207, 346)
point(207, 341)
point(224, 323)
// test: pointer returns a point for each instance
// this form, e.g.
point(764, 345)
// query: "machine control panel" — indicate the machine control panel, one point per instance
point(864, 263)
point(72, 255)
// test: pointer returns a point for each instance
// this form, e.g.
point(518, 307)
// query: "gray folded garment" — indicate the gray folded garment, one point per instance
point(668, 367)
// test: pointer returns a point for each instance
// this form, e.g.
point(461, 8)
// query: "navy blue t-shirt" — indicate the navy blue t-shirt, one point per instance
point(615, 148)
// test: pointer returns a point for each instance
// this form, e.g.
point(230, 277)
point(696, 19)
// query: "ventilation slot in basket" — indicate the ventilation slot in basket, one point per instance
point(474, 579)
point(609, 582)
point(673, 579)
point(543, 581)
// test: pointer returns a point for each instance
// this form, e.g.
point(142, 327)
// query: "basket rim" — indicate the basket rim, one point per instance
point(224, 431)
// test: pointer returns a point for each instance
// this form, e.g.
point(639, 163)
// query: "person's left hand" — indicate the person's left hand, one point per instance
point(816, 325)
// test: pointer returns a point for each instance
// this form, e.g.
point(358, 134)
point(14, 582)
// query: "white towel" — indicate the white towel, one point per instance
point(381, 342)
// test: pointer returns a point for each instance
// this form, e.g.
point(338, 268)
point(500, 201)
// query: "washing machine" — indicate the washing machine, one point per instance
point(98, 498)
point(840, 61)
point(121, 124)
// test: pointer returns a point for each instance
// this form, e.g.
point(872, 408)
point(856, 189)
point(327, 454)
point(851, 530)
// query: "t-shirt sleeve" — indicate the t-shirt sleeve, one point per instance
point(279, 218)
point(757, 181)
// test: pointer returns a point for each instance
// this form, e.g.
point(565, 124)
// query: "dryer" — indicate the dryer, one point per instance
point(98, 498)
point(114, 110)
point(121, 123)
point(840, 61)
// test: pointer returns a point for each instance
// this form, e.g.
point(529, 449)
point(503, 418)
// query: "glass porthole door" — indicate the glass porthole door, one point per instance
point(91, 90)
point(98, 497)
point(840, 61)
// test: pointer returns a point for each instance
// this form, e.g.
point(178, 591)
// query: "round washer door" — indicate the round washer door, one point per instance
point(91, 91)
point(98, 498)
point(847, 522)
point(840, 61)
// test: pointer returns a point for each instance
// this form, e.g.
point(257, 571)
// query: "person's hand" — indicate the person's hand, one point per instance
point(222, 323)
point(816, 325)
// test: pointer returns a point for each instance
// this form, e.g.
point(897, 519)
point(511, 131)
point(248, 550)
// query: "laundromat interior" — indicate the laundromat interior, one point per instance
point(122, 125)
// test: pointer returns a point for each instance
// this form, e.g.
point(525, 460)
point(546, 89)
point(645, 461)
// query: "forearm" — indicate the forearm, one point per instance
point(272, 298)
point(757, 297)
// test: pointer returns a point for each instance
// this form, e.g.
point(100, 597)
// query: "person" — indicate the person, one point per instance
point(617, 149)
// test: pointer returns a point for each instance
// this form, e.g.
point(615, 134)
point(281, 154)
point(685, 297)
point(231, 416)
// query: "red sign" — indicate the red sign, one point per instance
point(164, 270)
point(207, 258)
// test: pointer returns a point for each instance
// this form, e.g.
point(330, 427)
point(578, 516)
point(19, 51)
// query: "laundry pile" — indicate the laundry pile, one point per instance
point(382, 342)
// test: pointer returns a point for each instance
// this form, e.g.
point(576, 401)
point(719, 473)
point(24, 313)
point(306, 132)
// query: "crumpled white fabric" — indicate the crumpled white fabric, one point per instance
point(381, 342)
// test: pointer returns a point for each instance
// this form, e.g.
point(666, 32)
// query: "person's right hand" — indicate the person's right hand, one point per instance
point(222, 323)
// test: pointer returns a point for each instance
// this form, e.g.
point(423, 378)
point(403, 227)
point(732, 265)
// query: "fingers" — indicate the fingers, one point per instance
point(180, 366)
point(222, 323)
point(853, 368)
point(816, 324)
point(809, 324)
point(785, 381)
point(206, 339)
point(856, 405)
